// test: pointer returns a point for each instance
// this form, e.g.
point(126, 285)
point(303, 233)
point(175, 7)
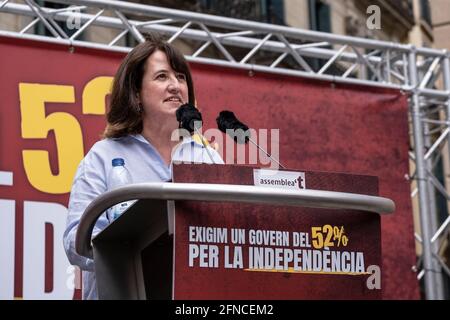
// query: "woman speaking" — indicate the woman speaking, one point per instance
point(152, 82)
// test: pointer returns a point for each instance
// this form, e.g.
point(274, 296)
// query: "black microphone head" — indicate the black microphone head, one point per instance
point(228, 121)
point(187, 115)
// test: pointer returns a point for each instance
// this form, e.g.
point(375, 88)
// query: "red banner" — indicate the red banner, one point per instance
point(247, 251)
point(53, 100)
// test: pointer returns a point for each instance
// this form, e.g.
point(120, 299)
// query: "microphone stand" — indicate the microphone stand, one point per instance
point(267, 154)
point(204, 145)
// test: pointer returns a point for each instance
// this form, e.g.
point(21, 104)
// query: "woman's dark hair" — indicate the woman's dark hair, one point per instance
point(125, 113)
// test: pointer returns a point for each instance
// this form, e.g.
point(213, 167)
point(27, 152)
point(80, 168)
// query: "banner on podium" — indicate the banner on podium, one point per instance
point(247, 251)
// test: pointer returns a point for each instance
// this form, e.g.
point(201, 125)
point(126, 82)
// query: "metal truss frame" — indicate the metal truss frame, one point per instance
point(255, 46)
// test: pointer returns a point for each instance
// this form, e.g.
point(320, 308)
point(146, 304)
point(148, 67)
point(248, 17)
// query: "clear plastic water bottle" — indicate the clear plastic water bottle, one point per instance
point(118, 176)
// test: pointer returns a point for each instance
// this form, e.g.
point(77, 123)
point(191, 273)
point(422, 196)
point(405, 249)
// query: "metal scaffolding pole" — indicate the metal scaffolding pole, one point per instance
point(446, 76)
point(432, 214)
point(430, 287)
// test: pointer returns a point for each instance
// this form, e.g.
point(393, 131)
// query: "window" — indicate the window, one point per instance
point(319, 20)
point(275, 12)
point(319, 16)
point(271, 11)
point(41, 29)
point(425, 11)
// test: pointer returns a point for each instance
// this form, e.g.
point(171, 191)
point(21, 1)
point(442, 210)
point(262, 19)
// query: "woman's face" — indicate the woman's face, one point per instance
point(163, 89)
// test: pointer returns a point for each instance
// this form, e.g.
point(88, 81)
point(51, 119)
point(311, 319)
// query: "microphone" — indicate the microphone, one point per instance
point(187, 116)
point(229, 124)
point(227, 120)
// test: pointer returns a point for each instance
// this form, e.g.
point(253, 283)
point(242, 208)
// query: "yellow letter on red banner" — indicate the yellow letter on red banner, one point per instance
point(36, 125)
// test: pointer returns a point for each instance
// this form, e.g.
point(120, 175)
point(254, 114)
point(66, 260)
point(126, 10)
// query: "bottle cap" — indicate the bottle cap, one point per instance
point(116, 162)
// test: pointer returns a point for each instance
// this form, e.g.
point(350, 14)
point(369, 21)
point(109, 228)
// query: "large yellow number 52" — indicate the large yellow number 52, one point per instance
point(36, 125)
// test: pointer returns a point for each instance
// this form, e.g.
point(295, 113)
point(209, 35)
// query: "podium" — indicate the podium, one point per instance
point(238, 232)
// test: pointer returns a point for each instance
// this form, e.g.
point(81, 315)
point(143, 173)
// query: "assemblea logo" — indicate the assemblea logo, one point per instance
point(280, 179)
